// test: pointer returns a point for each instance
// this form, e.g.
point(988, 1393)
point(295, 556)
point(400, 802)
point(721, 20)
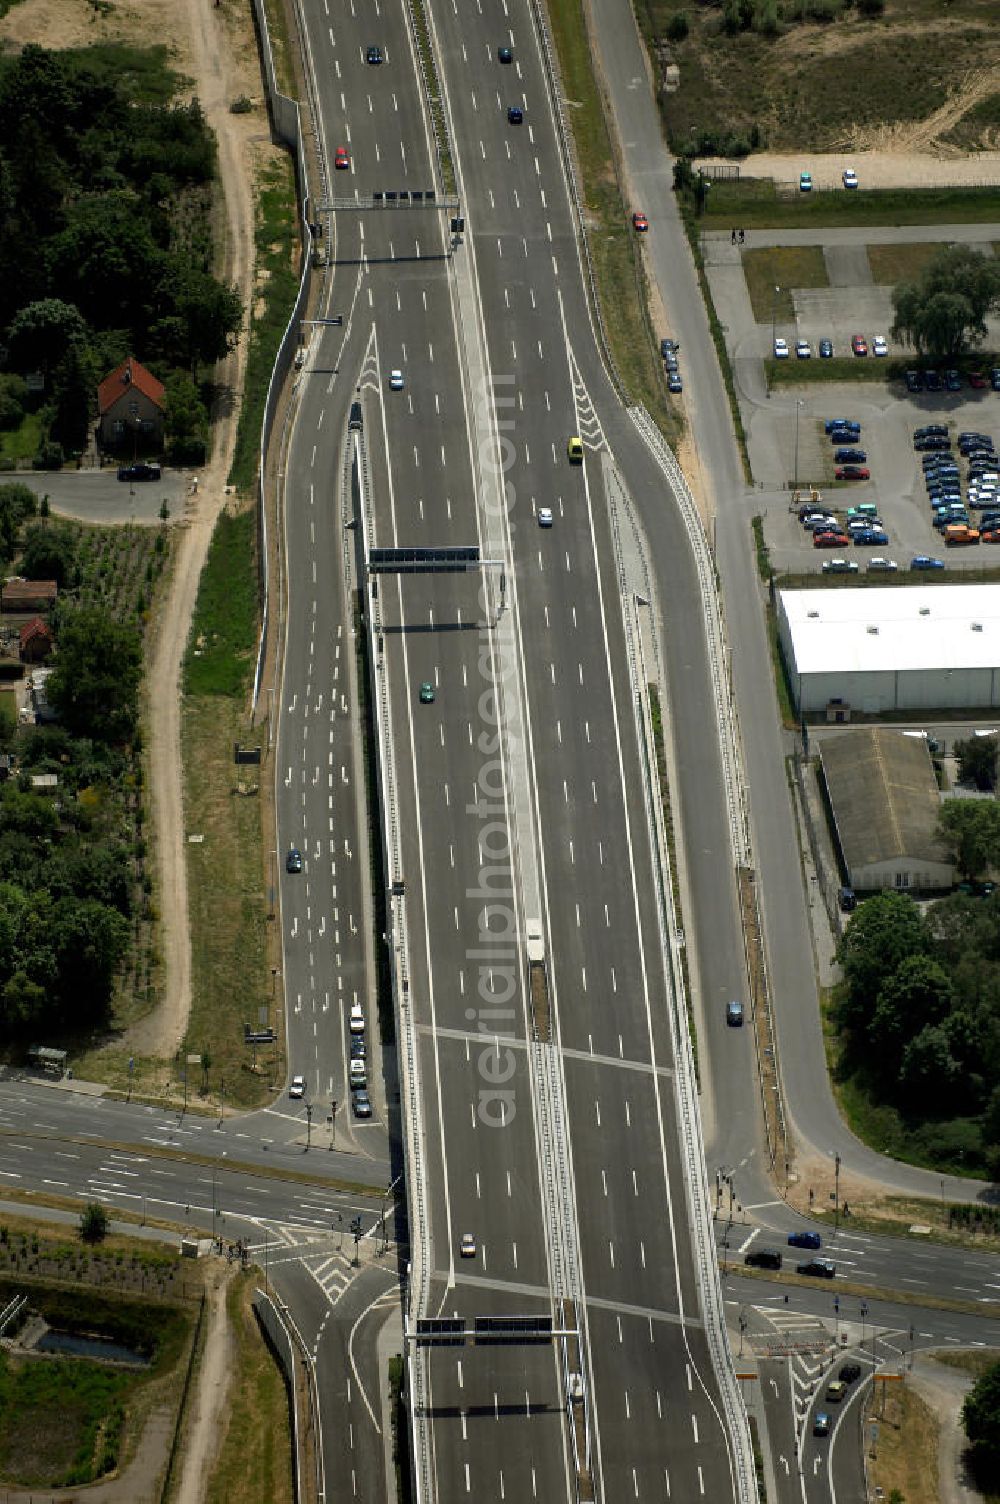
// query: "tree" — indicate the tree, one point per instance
point(918, 993)
point(929, 1075)
point(186, 420)
point(94, 685)
point(981, 1419)
point(40, 334)
point(24, 1005)
point(17, 502)
point(971, 830)
point(89, 940)
point(206, 320)
point(50, 554)
point(93, 1223)
point(977, 762)
point(883, 933)
point(946, 309)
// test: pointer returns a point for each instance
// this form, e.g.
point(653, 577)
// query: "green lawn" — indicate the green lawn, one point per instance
point(900, 263)
point(781, 267)
point(17, 445)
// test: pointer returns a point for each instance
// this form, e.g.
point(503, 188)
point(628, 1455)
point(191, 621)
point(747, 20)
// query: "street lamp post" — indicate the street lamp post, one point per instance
point(309, 1124)
point(836, 1193)
point(774, 315)
point(795, 478)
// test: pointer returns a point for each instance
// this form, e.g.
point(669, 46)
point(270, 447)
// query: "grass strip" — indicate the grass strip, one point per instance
point(904, 1434)
point(656, 718)
point(901, 263)
point(754, 203)
point(254, 1460)
point(773, 271)
point(276, 281)
point(760, 548)
point(432, 90)
point(693, 225)
point(227, 908)
point(400, 1421)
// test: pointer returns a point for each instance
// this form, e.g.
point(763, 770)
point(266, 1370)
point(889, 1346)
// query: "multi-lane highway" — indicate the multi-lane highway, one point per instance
point(571, 1178)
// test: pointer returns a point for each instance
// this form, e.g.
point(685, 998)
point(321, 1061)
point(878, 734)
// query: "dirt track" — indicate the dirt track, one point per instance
point(875, 169)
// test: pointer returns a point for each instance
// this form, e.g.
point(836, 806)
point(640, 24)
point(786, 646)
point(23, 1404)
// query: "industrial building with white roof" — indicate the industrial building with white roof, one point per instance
point(900, 648)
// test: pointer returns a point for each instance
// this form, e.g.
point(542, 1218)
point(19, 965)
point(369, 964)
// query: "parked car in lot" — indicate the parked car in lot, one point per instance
point(852, 472)
point(995, 378)
point(881, 565)
point(977, 381)
point(880, 345)
point(839, 566)
point(834, 425)
point(780, 348)
point(953, 381)
point(849, 456)
point(849, 178)
point(830, 540)
point(859, 344)
point(932, 381)
point(674, 382)
point(813, 520)
point(925, 562)
point(803, 349)
point(914, 381)
point(931, 431)
point(872, 537)
point(866, 509)
point(991, 534)
point(959, 533)
point(826, 349)
point(805, 182)
point(932, 444)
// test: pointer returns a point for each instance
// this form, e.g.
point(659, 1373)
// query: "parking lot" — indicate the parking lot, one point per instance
point(786, 442)
point(897, 487)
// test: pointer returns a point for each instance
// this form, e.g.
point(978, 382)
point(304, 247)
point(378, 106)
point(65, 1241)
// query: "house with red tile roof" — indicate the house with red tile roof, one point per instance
point(35, 640)
point(131, 405)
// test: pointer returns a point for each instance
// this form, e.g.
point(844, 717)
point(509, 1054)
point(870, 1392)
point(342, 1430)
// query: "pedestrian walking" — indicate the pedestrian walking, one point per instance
point(743, 236)
point(734, 237)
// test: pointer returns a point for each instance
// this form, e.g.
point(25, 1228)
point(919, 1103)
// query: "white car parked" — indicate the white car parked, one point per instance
point(879, 565)
point(781, 349)
point(880, 345)
point(850, 178)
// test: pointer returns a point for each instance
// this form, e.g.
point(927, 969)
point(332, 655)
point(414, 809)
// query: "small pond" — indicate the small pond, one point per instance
point(102, 1348)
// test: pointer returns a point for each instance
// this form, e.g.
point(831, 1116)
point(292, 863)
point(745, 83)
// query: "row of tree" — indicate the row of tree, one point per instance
point(104, 246)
